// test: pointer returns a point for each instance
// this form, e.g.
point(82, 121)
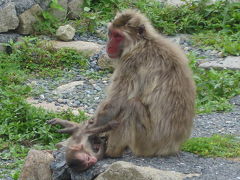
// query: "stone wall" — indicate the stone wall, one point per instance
point(18, 16)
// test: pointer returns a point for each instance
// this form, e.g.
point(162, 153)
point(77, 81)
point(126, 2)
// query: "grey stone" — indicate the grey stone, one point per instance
point(65, 33)
point(36, 166)
point(28, 18)
point(128, 171)
point(75, 8)
point(88, 48)
point(230, 62)
point(173, 2)
point(60, 14)
point(8, 17)
point(23, 5)
point(68, 87)
point(3, 2)
point(42, 97)
point(63, 101)
point(6, 37)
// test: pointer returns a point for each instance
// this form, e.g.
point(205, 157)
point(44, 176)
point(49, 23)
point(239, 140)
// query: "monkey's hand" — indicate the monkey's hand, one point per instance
point(70, 127)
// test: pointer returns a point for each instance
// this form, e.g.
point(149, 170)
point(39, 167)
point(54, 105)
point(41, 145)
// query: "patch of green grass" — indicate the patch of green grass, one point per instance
point(39, 57)
point(214, 87)
point(222, 41)
point(215, 146)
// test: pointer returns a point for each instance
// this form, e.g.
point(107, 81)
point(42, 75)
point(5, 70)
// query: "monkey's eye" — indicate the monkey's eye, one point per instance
point(117, 36)
point(109, 33)
point(88, 159)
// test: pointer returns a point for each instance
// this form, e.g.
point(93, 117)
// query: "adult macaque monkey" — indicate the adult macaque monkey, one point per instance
point(85, 147)
point(152, 91)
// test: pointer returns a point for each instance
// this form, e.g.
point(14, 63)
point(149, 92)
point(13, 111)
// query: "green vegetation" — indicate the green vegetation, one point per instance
point(214, 87)
point(47, 23)
point(221, 41)
point(215, 146)
point(23, 126)
point(40, 57)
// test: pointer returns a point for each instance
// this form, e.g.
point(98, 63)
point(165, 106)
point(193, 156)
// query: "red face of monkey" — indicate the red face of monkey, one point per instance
point(115, 43)
point(78, 158)
point(84, 152)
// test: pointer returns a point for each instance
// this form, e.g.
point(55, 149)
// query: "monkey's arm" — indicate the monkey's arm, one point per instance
point(100, 129)
point(107, 111)
point(69, 127)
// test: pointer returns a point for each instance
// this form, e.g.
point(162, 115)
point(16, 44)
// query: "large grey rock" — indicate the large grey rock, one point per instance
point(128, 171)
point(60, 14)
point(6, 37)
point(66, 88)
point(89, 48)
point(75, 8)
point(230, 62)
point(28, 18)
point(23, 5)
point(8, 17)
point(37, 166)
point(65, 33)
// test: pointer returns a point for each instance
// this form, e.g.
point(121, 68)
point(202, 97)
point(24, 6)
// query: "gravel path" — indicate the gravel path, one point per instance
point(217, 123)
point(208, 168)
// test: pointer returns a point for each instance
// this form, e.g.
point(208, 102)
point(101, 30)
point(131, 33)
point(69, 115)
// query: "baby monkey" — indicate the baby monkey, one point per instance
point(85, 147)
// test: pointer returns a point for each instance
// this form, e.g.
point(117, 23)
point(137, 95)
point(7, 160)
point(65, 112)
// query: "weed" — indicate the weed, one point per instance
point(215, 146)
point(222, 41)
point(40, 57)
point(47, 23)
point(214, 87)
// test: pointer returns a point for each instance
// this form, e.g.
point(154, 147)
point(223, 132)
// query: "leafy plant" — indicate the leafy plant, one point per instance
point(39, 56)
point(222, 41)
point(88, 21)
point(215, 146)
point(47, 23)
point(214, 87)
